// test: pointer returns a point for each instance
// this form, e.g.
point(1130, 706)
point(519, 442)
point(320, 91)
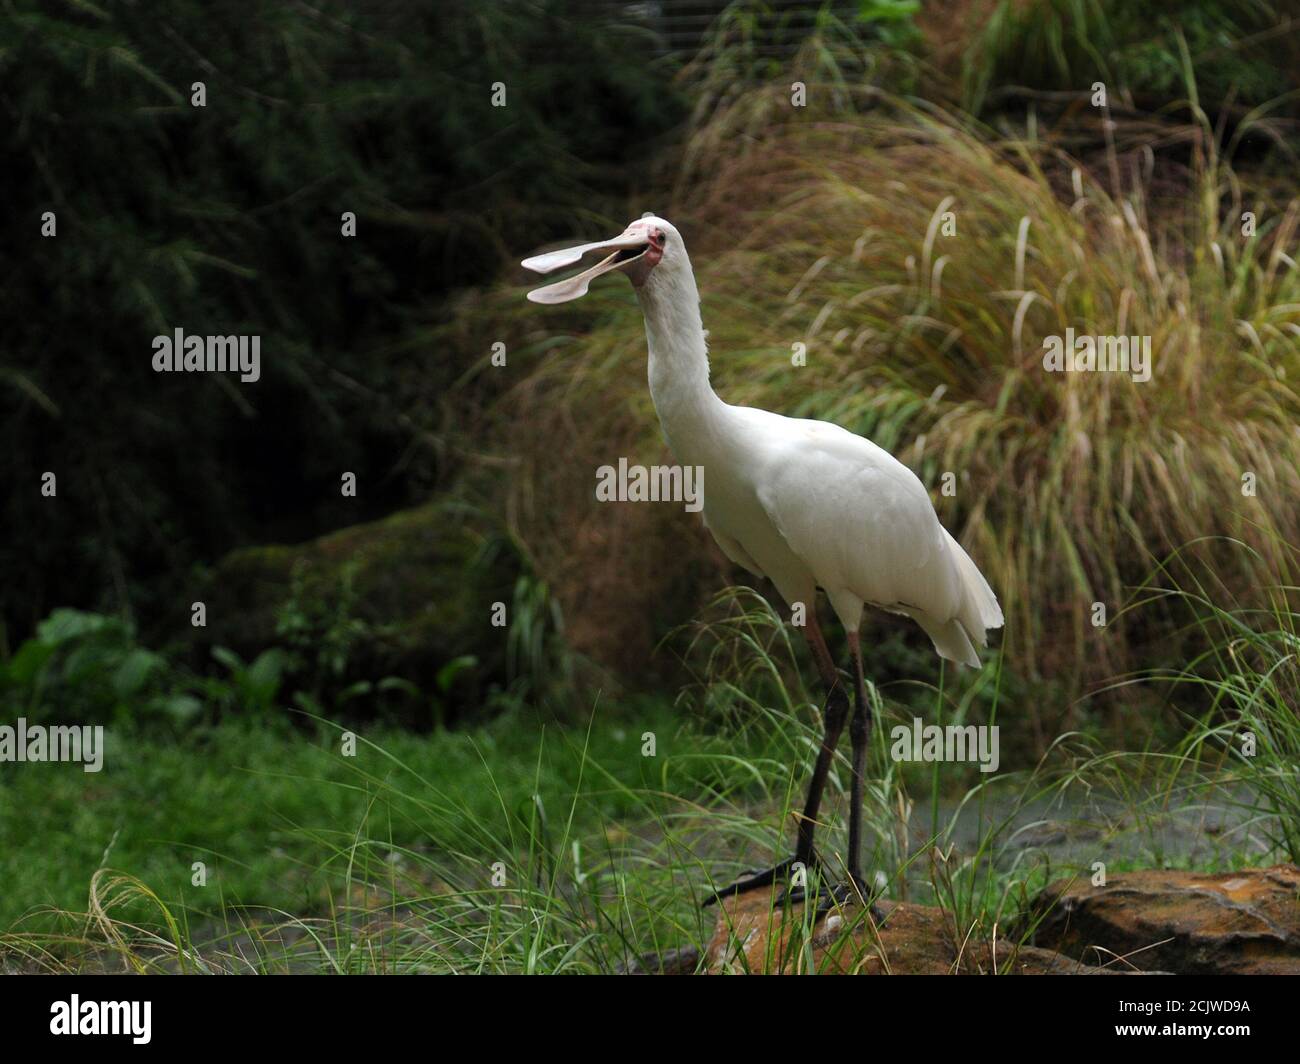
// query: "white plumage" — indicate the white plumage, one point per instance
point(809, 504)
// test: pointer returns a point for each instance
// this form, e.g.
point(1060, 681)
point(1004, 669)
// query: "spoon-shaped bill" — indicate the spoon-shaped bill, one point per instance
point(576, 286)
point(554, 260)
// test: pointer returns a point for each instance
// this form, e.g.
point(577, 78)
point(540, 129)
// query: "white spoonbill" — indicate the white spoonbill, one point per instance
point(805, 503)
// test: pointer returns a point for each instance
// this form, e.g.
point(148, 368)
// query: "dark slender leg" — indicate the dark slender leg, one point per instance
point(834, 713)
point(860, 737)
point(857, 888)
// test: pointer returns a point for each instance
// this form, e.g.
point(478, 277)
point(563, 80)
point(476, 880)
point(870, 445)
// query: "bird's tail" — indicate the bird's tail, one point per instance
point(951, 641)
point(956, 639)
point(981, 609)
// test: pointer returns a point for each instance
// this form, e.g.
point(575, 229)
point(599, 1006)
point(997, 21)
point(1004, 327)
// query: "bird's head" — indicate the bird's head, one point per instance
point(648, 245)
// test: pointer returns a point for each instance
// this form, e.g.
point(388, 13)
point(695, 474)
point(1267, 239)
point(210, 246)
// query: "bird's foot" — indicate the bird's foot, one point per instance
point(854, 892)
point(763, 878)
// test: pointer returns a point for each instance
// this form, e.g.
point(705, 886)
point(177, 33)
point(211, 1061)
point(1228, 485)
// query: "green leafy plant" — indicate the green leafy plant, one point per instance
point(318, 627)
point(89, 668)
point(251, 687)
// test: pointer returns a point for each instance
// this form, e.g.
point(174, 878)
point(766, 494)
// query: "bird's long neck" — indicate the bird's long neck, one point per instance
point(687, 406)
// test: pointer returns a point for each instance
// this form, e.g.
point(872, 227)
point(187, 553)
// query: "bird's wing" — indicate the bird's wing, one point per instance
point(856, 516)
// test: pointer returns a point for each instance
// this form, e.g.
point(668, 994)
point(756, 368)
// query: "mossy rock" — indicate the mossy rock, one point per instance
point(414, 590)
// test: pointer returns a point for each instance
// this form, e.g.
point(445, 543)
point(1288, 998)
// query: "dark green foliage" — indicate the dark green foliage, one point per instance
point(226, 220)
point(85, 668)
point(406, 597)
point(1234, 54)
point(894, 21)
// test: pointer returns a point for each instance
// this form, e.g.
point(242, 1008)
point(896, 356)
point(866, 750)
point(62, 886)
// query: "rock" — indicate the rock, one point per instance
point(754, 937)
point(408, 594)
point(1191, 923)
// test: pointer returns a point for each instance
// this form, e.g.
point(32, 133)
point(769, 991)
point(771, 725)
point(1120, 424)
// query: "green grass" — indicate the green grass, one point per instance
point(260, 802)
point(522, 848)
point(1245, 738)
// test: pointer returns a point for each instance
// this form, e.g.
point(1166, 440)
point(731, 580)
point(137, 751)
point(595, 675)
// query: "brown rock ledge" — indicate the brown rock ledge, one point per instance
point(752, 937)
point(1191, 923)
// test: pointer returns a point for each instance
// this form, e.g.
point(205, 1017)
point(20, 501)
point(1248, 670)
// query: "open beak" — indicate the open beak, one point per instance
point(626, 249)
